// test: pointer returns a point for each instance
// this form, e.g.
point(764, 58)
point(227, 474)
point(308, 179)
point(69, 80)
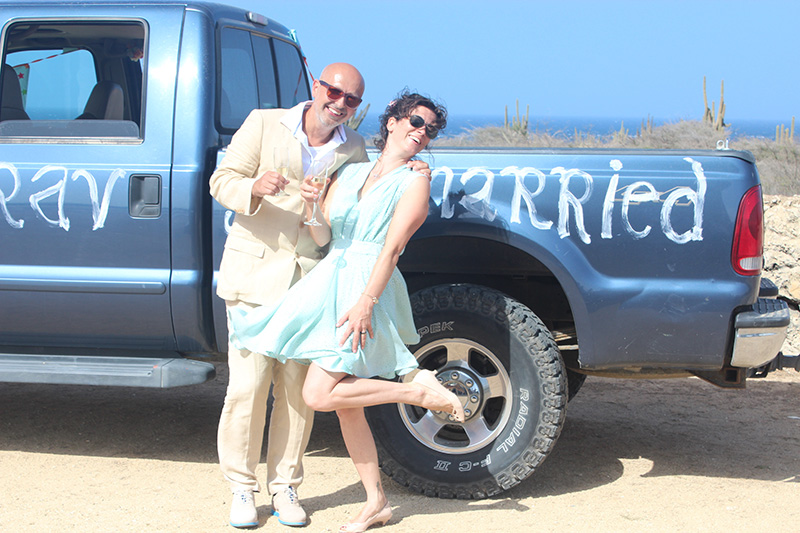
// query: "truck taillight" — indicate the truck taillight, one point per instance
point(748, 236)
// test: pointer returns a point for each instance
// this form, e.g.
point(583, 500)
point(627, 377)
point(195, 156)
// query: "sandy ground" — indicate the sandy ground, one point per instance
point(666, 455)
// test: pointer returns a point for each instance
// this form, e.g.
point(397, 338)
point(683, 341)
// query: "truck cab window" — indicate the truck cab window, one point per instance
point(72, 79)
point(265, 70)
point(239, 89)
point(74, 67)
point(257, 72)
point(291, 75)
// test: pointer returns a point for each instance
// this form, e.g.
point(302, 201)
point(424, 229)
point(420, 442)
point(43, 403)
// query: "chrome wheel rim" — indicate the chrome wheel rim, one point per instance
point(480, 381)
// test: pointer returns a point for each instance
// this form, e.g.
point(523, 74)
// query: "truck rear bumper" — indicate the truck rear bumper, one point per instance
point(759, 332)
point(91, 370)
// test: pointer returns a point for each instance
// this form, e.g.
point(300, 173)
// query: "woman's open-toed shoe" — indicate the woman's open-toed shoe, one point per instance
point(381, 517)
point(427, 379)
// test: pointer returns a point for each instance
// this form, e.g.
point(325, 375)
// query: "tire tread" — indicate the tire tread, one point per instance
point(544, 353)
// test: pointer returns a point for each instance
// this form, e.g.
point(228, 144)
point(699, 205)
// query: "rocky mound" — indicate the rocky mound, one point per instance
point(781, 254)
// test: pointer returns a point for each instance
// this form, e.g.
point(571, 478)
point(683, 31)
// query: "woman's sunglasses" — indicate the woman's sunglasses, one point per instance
point(430, 130)
point(350, 100)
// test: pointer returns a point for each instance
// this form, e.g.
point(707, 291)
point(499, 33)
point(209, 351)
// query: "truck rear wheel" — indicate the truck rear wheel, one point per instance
point(502, 362)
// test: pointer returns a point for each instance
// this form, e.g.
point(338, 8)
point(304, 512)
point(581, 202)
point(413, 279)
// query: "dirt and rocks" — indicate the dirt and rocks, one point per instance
point(782, 258)
point(635, 455)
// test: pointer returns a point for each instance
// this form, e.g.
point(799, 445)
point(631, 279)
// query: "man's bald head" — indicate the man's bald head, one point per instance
point(345, 77)
point(327, 112)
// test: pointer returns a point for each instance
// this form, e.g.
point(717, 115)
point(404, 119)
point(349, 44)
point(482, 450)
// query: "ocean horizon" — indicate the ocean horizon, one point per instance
point(566, 126)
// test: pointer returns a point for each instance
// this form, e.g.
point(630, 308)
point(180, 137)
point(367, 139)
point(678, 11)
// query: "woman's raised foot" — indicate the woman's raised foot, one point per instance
point(427, 379)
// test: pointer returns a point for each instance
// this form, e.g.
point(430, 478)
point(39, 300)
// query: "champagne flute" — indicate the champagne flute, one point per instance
point(320, 182)
point(280, 158)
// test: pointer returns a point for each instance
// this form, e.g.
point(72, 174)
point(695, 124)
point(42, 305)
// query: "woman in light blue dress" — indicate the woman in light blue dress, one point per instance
point(350, 317)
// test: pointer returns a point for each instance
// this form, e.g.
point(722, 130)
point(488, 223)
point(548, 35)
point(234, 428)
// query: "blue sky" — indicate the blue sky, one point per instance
point(568, 58)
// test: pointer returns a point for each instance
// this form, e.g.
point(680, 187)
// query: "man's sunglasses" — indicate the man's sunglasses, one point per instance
point(350, 100)
point(430, 130)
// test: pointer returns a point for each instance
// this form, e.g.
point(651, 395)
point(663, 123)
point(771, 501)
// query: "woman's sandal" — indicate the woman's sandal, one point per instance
point(382, 516)
point(427, 379)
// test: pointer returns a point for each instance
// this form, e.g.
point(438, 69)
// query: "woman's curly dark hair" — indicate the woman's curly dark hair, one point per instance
point(401, 107)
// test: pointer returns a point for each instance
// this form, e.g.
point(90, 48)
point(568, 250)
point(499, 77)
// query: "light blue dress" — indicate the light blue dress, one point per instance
point(302, 327)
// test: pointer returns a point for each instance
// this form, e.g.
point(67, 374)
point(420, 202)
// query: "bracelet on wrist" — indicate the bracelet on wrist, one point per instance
point(373, 298)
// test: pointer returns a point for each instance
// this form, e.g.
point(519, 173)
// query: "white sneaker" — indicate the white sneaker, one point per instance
point(286, 506)
point(243, 509)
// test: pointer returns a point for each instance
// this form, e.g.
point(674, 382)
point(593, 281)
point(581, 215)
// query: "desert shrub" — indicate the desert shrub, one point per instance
point(687, 135)
point(778, 163)
point(490, 136)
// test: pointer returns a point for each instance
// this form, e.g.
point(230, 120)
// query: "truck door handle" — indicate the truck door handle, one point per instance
point(144, 196)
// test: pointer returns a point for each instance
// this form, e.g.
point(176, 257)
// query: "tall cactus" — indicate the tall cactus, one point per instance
point(707, 116)
point(719, 123)
point(355, 121)
point(647, 127)
point(518, 124)
point(717, 120)
point(784, 135)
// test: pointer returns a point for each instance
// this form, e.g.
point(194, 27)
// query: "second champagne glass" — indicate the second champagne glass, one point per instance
point(320, 181)
point(280, 158)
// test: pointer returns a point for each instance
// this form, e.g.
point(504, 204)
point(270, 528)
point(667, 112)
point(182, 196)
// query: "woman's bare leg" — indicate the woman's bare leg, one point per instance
point(329, 391)
point(348, 395)
point(361, 447)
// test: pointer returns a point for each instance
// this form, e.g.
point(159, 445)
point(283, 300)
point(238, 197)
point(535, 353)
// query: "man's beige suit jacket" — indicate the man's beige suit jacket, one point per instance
point(268, 245)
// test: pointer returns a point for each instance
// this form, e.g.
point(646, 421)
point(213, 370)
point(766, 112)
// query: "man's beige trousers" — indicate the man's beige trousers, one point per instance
point(241, 425)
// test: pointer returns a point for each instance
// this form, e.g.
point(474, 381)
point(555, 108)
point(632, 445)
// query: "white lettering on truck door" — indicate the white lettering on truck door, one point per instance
point(14, 223)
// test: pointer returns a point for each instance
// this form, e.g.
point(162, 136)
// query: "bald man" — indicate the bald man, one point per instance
point(267, 250)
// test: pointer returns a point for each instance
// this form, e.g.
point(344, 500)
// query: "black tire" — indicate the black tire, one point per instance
point(503, 363)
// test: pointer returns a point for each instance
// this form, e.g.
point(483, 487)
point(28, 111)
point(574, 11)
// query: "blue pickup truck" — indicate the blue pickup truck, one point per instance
point(534, 269)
